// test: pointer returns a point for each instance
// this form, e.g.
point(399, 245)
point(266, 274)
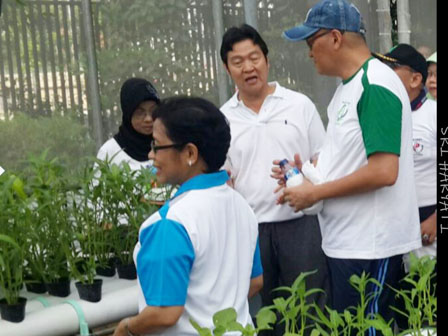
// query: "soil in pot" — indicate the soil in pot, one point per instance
point(90, 292)
point(109, 270)
point(127, 271)
point(13, 313)
point(60, 288)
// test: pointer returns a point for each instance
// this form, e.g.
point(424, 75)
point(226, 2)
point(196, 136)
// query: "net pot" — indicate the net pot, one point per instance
point(109, 270)
point(90, 292)
point(36, 287)
point(13, 312)
point(128, 272)
point(60, 288)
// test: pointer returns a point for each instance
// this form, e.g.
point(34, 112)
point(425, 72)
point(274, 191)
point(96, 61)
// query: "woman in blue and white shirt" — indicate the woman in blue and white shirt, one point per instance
point(199, 253)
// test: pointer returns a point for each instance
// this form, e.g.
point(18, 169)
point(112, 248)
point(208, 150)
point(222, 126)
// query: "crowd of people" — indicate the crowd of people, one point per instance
point(234, 229)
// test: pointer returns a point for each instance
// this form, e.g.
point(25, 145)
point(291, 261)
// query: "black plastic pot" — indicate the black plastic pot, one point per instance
point(36, 287)
point(90, 292)
point(60, 288)
point(109, 270)
point(128, 272)
point(13, 313)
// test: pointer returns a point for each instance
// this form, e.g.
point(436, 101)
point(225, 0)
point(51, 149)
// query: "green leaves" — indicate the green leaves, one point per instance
point(292, 308)
point(11, 268)
point(226, 321)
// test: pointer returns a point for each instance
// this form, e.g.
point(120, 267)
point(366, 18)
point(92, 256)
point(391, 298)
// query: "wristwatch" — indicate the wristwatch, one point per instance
point(126, 327)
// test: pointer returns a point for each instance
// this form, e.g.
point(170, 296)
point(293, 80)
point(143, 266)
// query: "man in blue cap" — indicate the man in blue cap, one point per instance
point(369, 217)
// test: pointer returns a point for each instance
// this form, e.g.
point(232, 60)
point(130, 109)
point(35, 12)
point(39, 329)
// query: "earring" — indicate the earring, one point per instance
point(189, 163)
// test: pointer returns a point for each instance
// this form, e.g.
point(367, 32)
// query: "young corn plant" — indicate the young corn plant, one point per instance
point(92, 237)
point(121, 191)
point(52, 239)
point(12, 205)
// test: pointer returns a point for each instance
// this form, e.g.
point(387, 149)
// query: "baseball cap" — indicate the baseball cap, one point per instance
point(405, 54)
point(328, 14)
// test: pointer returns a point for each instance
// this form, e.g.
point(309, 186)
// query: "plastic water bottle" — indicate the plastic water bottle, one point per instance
point(292, 175)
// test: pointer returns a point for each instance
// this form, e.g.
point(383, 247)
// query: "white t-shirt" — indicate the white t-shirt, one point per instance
point(112, 150)
point(424, 125)
point(369, 113)
point(200, 251)
point(287, 123)
point(424, 134)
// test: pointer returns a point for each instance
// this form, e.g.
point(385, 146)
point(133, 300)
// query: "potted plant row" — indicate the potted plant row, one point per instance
point(56, 228)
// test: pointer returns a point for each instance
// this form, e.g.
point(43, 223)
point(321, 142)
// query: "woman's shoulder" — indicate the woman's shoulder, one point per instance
point(109, 149)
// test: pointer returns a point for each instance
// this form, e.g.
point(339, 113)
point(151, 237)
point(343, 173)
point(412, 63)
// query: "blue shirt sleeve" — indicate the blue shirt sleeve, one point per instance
point(164, 262)
point(257, 268)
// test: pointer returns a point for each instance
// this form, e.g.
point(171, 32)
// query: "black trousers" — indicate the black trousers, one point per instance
point(287, 249)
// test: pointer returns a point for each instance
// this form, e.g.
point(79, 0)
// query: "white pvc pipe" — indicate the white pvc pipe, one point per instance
point(119, 299)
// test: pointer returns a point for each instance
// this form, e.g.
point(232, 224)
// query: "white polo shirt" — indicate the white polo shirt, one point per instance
point(287, 123)
point(424, 134)
point(369, 113)
point(200, 251)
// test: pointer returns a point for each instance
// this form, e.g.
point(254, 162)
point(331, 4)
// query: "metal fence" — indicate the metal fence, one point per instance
point(41, 46)
point(43, 65)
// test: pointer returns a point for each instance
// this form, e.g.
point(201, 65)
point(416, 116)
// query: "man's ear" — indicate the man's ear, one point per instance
point(337, 38)
point(417, 80)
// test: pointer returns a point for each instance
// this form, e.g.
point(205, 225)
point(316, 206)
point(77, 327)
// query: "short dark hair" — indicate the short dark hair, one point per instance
point(197, 121)
point(237, 34)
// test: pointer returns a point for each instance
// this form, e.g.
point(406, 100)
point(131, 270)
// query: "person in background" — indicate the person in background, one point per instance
point(366, 161)
point(268, 121)
point(132, 143)
point(431, 82)
point(199, 253)
point(412, 69)
point(425, 51)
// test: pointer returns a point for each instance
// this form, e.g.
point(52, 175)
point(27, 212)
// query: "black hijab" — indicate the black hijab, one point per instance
point(133, 92)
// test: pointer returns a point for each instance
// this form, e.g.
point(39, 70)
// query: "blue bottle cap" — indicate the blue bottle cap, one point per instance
point(283, 163)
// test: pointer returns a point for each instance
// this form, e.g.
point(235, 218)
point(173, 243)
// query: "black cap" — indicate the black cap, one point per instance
point(133, 92)
point(405, 54)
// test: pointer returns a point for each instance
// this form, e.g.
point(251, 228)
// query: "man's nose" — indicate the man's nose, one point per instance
point(248, 66)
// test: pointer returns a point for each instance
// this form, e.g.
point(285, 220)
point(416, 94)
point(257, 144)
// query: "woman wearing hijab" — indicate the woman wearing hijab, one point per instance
point(132, 143)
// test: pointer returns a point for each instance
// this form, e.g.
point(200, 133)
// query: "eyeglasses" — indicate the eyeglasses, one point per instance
point(157, 148)
point(310, 41)
point(140, 114)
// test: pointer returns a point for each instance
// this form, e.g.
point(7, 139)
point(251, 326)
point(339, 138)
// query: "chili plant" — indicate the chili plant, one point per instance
point(353, 320)
point(226, 321)
point(420, 299)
